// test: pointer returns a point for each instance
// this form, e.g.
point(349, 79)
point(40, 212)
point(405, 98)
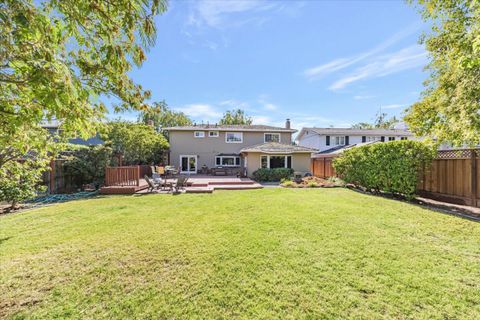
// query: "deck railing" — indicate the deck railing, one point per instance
point(122, 176)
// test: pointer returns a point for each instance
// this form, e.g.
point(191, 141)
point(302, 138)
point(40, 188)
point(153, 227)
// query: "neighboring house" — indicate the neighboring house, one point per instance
point(246, 147)
point(53, 128)
point(332, 139)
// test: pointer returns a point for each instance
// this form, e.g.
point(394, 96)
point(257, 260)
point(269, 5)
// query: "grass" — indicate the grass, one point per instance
point(271, 254)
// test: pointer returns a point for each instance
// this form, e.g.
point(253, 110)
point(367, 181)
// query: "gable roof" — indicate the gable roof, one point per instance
point(352, 131)
point(233, 127)
point(278, 148)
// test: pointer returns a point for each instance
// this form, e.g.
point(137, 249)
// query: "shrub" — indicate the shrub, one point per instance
point(391, 167)
point(288, 183)
point(277, 174)
point(312, 184)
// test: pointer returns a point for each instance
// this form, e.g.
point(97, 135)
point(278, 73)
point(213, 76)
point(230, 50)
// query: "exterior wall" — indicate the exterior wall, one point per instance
point(184, 143)
point(320, 142)
point(300, 162)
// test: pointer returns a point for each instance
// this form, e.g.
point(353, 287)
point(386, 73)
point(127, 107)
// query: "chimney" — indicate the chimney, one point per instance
point(287, 124)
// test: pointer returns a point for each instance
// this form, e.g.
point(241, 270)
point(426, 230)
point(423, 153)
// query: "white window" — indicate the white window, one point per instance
point(271, 137)
point(213, 134)
point(234, 137)
point(371, 139)
point(339, 141)
point(272, 162)
point(199, 134)
point(227, 161)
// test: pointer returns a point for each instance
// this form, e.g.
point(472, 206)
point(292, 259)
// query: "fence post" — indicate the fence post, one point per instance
point(138, 176)
point(473, 159)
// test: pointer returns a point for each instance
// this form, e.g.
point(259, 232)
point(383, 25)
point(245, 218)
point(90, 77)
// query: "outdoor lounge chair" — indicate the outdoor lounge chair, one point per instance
point(151, 184)
point(180, 184)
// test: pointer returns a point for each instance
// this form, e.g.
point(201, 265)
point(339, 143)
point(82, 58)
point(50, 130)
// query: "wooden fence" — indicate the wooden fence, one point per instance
point(322, 166)
point(122, 176)
point(452, 177)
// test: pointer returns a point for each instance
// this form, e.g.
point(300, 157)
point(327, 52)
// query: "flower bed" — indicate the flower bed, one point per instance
point(313, 182)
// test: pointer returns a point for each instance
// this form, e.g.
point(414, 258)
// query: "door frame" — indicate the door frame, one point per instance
point(188, 156)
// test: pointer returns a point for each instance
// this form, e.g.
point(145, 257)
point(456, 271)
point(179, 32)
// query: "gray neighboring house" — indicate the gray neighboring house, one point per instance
point(245, 147)
point(332, 139)
point(54, 127)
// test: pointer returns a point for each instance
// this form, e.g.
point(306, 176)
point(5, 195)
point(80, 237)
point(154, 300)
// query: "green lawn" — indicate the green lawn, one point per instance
point(271, 254)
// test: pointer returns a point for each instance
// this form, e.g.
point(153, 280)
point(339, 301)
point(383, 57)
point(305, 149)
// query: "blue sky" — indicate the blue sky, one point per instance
point(320, 63)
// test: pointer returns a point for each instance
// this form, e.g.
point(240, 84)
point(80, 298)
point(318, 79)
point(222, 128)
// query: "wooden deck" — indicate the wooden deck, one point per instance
point(196, 184)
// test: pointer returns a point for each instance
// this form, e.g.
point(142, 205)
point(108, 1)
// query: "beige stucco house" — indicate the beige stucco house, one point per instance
point(243, 147)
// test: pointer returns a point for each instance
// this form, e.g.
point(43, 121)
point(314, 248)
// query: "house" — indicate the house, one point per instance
point(244, 148)
point(53, 128)
point(332, 139)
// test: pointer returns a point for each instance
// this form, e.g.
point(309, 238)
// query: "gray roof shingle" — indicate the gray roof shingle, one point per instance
point(235, 127)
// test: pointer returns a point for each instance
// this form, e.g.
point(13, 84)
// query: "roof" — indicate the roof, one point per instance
point(358, 132)
point(339, 149)
point(233, 127)
point(278, 148)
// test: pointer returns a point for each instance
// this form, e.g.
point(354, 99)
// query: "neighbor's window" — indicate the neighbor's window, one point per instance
point(199, 134)
point(264, 161)
point(227, 161)
point(339, 141)
point(272, 137)
point(213, 134)
point(234, 137)
point(403, 138)
point(391, 138)
point(371, 139)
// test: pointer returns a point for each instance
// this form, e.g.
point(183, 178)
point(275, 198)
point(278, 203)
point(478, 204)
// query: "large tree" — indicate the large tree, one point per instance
point(449, 108)
point(236, 116)
point(162, 116)
point(58, 57)
point(135, 143)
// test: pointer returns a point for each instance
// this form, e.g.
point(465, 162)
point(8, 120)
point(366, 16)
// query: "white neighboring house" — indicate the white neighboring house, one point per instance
point(326, 139)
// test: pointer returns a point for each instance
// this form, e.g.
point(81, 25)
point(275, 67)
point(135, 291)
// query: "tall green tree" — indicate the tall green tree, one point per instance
point(381, 122)
point(449, 108)
point(57, 57)
point(136, 143)
point(236, 116)
point(162, 116)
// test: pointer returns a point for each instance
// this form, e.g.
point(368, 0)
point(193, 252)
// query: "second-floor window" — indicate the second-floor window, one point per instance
point(234, 137)
point(339, 141)
point(272, 137)
point(213, 134)
point(403, 138)
point(391, 138)
point(199, 134)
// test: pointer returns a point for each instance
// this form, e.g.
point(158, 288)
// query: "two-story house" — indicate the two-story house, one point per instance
point(246, 147)
point(325, 139)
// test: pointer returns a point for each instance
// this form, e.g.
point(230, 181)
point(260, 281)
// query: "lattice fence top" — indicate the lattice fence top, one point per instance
point(457, 153)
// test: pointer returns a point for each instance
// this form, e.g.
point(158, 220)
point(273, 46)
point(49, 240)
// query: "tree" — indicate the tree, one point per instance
point(57, 57)
point(162, 116)
point(24, 156)
point(381, 122)
point(135, 143)
point(449, 108)
point(235, 117)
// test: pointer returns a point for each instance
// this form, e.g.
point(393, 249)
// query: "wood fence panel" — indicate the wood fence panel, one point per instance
point(122, 176)
point(323, 167)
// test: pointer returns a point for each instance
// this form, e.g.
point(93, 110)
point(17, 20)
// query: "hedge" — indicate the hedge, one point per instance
point(391, 167)
point(267, 175)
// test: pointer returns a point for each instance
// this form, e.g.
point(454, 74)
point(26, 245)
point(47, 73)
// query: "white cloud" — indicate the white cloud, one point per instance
point(217, 13)
point(201, 112)
point(270, 106)
point(404, 59)
point(393, 106)
point(363, 97)
point(342, 63)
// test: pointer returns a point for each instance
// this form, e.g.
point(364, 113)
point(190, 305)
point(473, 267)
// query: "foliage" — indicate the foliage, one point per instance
point(58, 56)
point(136, 143)
point(237, 116)
point(23, 158)
point(391, 167)
point(87, 165)
point(277, 174)
point(282, 253)
point(162, 116)
point(449, 107)
point(381, 122)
